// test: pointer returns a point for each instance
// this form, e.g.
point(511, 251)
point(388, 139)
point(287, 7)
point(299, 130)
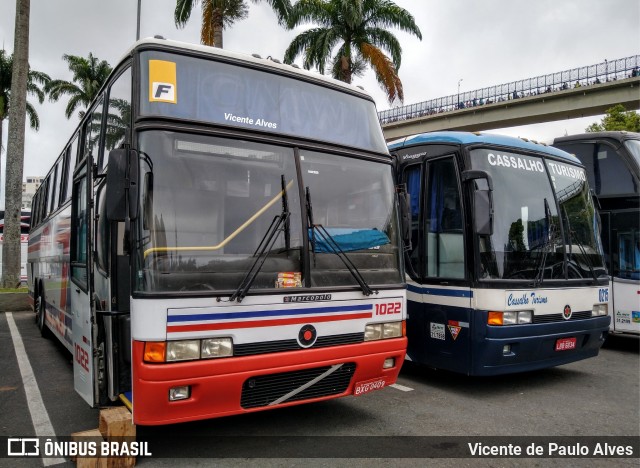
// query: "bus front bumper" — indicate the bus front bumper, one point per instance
point(522, 348)
point(236, 385)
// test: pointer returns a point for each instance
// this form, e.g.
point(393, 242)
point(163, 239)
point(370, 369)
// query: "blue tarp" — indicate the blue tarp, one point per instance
point(348, 239)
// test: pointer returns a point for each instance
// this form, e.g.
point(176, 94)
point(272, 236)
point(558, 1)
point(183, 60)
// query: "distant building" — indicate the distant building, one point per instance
point(29, 189)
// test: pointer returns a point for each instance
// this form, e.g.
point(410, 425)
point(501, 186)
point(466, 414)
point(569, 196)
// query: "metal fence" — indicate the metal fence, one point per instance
point(609, 70)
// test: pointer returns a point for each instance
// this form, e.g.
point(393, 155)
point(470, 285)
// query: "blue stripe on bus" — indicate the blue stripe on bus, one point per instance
point(267, 313)
point(441, 291)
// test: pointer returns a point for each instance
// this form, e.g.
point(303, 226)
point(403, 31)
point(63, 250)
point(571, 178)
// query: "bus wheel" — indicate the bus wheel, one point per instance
point(40, 316)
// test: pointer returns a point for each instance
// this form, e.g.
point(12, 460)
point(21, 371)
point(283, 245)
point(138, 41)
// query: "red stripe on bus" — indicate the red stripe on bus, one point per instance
point(264, 323)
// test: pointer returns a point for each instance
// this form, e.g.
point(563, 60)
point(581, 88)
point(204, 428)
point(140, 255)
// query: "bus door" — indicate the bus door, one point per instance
point(80, 288)
point(444, 319)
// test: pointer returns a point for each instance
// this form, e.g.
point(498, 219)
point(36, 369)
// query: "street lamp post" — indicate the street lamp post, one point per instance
point(138, 28)
point(459, 92)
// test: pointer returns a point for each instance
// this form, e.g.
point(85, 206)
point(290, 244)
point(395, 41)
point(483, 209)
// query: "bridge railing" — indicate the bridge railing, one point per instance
point(609, 70)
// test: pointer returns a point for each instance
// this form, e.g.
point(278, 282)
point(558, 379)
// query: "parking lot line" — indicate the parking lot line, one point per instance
point(39, 415)
point(402, 388)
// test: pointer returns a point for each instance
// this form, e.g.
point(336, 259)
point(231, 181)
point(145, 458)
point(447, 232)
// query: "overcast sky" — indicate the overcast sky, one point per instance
point(482, 42)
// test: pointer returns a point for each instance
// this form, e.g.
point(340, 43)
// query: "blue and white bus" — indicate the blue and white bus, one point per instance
point(505, 265)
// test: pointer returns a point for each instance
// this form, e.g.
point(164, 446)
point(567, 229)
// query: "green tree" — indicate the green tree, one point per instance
point(351, 35)
point(35, 80)
point(15, 147)
point(89, 74)
point(220, 14)
point(617, 118)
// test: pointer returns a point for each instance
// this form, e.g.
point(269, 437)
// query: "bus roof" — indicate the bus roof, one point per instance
point(236, 56)
point(618, 136)
point(468, 138)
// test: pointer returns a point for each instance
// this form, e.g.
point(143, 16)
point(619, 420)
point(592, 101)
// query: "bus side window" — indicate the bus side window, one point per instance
point(612, 176)
point(444, 244)
point(118, 114)
point(79, 232)
point(629, 255)
point(72, 159)
point(412, 179)
point(93, 141)
point(57, 183)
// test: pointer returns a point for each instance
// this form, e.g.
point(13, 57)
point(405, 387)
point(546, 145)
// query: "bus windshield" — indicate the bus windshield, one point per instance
point(527, 243)
point(207, 203)
point(580, 221)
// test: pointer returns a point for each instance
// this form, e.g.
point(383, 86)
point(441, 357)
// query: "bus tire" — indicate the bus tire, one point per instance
point(40, 316)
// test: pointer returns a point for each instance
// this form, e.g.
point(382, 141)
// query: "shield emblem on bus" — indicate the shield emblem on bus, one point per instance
point(566, 313)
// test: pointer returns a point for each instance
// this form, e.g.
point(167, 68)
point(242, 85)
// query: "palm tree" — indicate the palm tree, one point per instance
point(351, 35)
point(220, 14)
point(89, 74)
point(35, 79)
point(15, 148)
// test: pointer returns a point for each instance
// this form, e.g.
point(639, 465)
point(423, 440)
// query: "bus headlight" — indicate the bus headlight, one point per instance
point(510, 317)
point(382, 331)
point(216, 347)
point(183, 350)
point(187, 350)
point(599, 309)
point(525, 316)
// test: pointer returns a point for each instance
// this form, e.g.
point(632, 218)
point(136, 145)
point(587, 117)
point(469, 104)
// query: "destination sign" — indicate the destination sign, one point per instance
point(221, 93)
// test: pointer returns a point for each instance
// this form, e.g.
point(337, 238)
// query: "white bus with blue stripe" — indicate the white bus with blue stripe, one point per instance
point(505, 264)
point(612, 161)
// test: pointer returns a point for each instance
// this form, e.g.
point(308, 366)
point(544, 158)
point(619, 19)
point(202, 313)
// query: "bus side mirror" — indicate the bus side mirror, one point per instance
point(122, 185)
point(483, 212)
point(482, 201)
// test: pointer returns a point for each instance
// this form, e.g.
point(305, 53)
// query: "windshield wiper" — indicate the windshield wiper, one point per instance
point(334, 248)
point(580, 246)
point(549, 241)
point(278, 224)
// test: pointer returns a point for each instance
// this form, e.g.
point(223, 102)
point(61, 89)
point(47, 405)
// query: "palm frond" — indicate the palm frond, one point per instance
point(36, 91)
point(233, 11)
point(310, 11)
point(282, 8)
point(386, 41)
point(386, 73)
point(72, 105)
point(34, 120)
point(182, 12)
point(386, 14)
point(307, 42)
point(58, 88)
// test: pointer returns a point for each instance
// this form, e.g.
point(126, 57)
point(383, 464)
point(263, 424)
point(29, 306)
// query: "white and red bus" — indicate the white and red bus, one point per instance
point(220, 236)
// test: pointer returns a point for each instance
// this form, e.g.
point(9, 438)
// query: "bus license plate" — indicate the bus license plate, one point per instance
point(564, 344)
point(368, 386)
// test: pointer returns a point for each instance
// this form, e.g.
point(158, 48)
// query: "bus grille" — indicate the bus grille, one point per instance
point(548, 318)
point(265, 389)
point(264, 347)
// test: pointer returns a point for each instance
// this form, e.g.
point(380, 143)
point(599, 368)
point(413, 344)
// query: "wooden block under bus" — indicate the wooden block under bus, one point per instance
point(116, 423)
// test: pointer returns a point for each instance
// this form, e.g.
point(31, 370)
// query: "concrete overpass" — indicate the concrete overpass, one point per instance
point(570, 103)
